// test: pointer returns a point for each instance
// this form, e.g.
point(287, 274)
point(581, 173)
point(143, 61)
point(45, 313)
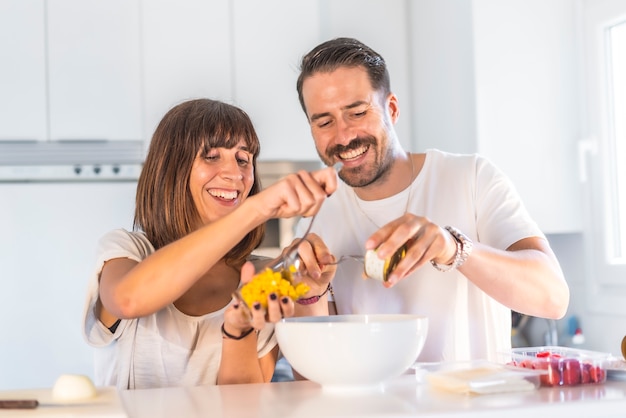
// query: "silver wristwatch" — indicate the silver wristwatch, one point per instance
point(464, 247)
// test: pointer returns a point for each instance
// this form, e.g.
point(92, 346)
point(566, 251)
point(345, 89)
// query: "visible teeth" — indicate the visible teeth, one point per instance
point(223, 194)
point(352, 153)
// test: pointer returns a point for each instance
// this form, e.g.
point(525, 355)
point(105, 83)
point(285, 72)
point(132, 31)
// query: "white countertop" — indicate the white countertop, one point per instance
point(106, 404)
point(402, 397)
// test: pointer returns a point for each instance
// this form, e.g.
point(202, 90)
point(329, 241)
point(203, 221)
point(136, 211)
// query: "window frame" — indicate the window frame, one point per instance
point(605, 278)
point(615, 200)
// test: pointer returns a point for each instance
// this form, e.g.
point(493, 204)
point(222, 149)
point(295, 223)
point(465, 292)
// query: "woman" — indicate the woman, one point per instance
point(159, 308)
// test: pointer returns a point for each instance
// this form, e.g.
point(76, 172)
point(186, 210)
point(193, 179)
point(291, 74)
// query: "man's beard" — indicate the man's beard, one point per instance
point(359, 176)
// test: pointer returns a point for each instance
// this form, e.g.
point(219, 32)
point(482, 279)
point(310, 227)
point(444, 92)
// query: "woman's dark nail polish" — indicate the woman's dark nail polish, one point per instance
point(285, 300)
point(273, 296)
point(257, 306)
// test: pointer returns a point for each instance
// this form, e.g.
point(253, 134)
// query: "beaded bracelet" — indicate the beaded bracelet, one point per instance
point(232, 337)
point(314, 299)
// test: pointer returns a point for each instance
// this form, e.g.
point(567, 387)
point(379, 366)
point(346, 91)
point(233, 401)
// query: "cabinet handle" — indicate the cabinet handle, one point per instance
point(587, 146)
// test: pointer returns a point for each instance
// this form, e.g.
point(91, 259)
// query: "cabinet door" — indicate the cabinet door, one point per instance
point(47, 258)
point(187, 54)
point(23, 70)
point(383, 27)
point(94, 69)
point(270, 37)
point(442, 75)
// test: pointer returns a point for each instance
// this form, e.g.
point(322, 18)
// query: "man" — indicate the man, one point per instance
point(473, 253)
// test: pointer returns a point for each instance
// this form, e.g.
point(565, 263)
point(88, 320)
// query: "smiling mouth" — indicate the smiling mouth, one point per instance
point(353, 153)
point(223, 194)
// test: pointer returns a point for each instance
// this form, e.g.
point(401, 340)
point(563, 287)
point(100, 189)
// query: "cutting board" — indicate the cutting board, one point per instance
point(106, 404)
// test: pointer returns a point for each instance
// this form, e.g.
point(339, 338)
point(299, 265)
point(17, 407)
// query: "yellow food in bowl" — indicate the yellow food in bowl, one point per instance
point(268, 281)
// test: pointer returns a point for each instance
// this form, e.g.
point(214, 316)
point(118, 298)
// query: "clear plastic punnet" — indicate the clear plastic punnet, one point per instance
point(565, 366)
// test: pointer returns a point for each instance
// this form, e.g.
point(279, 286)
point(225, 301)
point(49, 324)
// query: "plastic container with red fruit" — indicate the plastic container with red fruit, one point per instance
point(564, 366)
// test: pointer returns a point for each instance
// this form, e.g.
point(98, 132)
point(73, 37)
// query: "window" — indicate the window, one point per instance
point(603, 53)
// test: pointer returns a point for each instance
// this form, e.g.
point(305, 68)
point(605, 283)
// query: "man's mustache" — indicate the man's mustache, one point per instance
point(352, 145)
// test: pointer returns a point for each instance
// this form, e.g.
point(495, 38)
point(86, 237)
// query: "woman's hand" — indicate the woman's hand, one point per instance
point(317, 265)
point(298, 194)
point(239, 318)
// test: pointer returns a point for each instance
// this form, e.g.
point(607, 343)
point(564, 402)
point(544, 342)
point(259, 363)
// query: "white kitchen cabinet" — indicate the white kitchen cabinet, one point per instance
point(22, 71)
point(442, 75)
point(233, 51)
point(269, 38)
point(528, 102)
point(267, 61)
point(94, 69)
point(48, 254)
point(361, 19)
point(187, 53)
point(71, 69)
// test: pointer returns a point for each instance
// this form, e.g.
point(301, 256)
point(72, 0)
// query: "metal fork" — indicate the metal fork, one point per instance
point(359, 258)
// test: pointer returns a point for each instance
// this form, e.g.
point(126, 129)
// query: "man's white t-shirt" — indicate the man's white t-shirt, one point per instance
point(464, 191)
point(167, 348)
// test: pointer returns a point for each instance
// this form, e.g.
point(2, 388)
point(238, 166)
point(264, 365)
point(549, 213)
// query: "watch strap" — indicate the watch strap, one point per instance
point(464, 247)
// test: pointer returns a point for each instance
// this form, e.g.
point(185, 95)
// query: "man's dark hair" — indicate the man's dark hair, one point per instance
point(344, 52)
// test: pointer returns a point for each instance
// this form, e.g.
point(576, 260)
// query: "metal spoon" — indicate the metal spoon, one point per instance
point(283, 264)
point(290, 258)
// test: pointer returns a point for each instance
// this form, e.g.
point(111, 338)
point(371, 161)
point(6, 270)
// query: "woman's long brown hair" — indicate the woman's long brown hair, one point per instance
point(164, 207)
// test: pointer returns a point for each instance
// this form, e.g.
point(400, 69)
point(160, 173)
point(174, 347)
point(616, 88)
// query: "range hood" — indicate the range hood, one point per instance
point(93, 160)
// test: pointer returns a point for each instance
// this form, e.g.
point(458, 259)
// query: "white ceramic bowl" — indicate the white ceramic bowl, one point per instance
point(352, 350)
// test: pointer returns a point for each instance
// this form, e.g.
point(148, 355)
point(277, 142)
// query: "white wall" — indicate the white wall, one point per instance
point(527, 102)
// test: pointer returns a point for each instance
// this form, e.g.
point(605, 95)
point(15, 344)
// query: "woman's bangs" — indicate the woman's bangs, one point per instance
point(228, 133)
